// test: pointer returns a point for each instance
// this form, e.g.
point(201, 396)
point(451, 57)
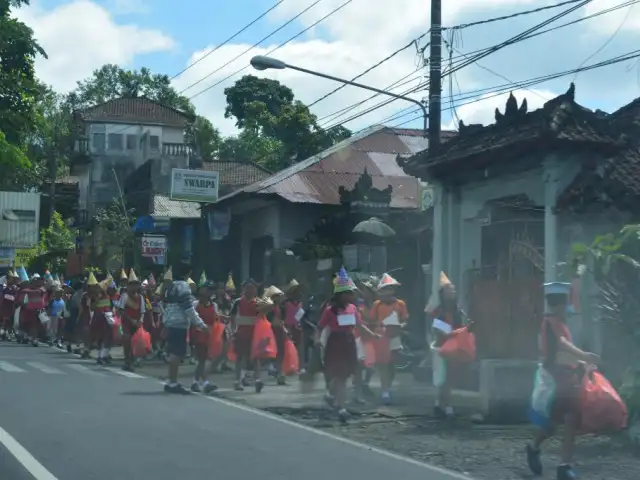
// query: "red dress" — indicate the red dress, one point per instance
point(101, 330)
point(134, 308)
point(209, 316)
point(36, 301)
point(245, 309)
point(340, 353)
point(8, 305)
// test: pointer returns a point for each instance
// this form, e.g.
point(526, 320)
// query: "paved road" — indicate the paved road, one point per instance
point(82, 422)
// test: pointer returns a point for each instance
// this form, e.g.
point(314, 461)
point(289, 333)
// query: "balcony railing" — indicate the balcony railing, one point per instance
point(176, 149)
point(81, 145)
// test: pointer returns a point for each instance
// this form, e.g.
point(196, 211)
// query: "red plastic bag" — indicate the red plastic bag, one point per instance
point(602, 410)
point(263, 343)
point(460, 346)
point(141, 343)
point(117, 330)
point(369, 353)
point(290, 362)
point(231, 353)
point(216, 339)
point(381, 350)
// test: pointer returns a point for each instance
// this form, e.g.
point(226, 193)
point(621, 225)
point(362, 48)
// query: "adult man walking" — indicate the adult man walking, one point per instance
point(179, 315)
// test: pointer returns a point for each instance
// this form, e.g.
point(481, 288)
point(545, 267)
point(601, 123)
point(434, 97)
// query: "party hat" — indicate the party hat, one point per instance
point(387, 281)
point(22, 274)
point(203, 278)
point(168, 275)
point(343, 282)
point(133, 278)
point(91, 281)
point(230, 285)
point(123, 275)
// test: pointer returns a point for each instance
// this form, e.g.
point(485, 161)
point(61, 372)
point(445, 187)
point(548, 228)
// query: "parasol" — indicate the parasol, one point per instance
point(374, 226)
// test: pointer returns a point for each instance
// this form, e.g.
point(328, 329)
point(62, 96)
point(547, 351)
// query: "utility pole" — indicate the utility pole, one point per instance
point(53, 174)
point(435, 76)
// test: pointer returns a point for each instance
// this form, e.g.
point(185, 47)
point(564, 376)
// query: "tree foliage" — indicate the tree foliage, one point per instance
point(18, 90)
point(265, 108)
point(55, 242)
point(113, 227)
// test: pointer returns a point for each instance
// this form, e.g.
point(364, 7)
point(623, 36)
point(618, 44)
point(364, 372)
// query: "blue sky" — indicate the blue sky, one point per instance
point(81, 35)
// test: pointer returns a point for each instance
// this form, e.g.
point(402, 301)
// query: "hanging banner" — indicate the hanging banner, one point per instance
point(219, 224)
point(155, 247)
point(7, 255)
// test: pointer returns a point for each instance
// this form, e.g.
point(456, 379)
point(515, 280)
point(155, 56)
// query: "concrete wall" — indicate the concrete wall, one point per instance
point(19, 219)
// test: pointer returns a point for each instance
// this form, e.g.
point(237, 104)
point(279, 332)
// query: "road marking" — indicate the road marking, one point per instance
point(125, 374)
point(83, 369)
point(28, 461)
point(9, 367)
point(45, 368)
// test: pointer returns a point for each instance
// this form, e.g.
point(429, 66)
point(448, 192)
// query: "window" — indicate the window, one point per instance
point(154, 142)
point(19, 215)
point(116, 141)
point(98, 142)
point(132, 142)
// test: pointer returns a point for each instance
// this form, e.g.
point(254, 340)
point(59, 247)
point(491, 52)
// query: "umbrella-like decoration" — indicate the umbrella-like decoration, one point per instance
point(374, 226)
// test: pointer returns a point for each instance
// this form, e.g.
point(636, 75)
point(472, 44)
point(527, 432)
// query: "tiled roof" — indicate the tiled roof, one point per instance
point(616, 180)
point(559, 120)
point(318, 179)
point(165, 207)
point(236, 174)
point(139, 110)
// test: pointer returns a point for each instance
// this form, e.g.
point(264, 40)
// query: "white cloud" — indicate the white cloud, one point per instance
point(344, 45)
point(81, 36)
point(129, 7)
point(623, 19)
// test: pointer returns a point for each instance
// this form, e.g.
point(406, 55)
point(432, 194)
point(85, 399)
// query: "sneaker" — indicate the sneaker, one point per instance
point(100, 361)
point(176, 389)
point(195, 387)
point(282, 380)
point(386, 398)
point(343, 416)
point(69, 349)
point(534, 462)
point(209, 388)
point(259, 385)
point(565, 472)
point(238, 387)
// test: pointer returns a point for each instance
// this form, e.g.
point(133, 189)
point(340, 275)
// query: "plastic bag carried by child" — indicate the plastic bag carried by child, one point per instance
point(263, 344)
point(141, 343)
point(460, 346)
point(544, 393)
point(601, 408)
point(290, 361)
point(216, 340)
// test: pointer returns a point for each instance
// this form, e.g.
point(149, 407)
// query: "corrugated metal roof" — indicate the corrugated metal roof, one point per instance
point(318, 179)
point(236, 173)
point(165, 207)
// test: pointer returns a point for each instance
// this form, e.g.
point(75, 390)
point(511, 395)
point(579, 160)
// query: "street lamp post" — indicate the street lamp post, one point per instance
point(261, 62)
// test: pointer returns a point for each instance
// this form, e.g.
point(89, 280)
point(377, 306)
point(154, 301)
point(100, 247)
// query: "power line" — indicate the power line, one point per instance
point(413, 42)
point(218, 47)
point(486, 52)
point(513, 15)
point(313, 25)
point(291, 20)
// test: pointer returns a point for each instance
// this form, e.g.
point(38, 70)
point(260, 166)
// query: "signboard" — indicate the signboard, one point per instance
point(154, 246)
point(23, 256)
point(7, 255)
point(194, 185)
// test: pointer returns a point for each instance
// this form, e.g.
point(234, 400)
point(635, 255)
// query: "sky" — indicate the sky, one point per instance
point(167, 36)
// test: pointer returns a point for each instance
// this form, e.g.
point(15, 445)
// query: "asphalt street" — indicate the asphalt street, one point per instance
point(82, 422)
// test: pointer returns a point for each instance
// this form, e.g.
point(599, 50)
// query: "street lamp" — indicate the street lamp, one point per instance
point(261, 62)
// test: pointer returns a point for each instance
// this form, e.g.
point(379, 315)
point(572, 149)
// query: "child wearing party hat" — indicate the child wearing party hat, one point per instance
point(335, 334)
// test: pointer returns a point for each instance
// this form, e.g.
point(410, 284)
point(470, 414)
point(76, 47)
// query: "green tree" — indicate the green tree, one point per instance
point(18, 89)
point(248, 146)
point(55, 242)
point(112, 234)
point(266, 108)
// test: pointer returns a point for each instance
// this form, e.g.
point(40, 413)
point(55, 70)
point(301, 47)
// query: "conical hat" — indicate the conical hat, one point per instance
point(91, 281)
point(230, 285)
point(13, 274)
point(168, 275)
point(444, 280)
point(104, 284)
point(293, 284)
point(160, 290)
point(343, 282)
point(203, 279)
point(123, 275)
point(273, 291)
point(264, 303)
point(387, 281)
point(190, 281)
point(133, 278)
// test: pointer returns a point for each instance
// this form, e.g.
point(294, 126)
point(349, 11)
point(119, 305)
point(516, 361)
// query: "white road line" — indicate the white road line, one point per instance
point(35, 468)
point(125, 374)
point(45, 368)
point(10, 368)
point(85, 370)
